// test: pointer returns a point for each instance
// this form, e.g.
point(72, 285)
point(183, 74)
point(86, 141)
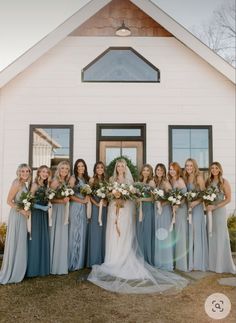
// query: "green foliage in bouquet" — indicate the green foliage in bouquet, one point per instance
point(231, 222)
point(3, 231)
point(133, 169)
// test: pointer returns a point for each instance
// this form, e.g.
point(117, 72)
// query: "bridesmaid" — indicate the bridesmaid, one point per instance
point(164, 256)
point(15, 256)
point(38, 245)
point(96, 232)
point(146, 227)
point(78, 217)
point(198, 246)
point(181, 226)
point(59, 229)
point(220, 257)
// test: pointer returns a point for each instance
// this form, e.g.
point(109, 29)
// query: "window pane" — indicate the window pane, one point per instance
point(199, 138)
point(50, 146)
point(112, 153)
point(120, 65)
point(201, 156)
point(131, 153)
point(181, 138)
point(180, 156)
point(120, 132)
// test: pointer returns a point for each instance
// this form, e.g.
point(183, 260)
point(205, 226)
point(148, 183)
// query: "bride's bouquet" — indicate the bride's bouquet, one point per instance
point(209, 196)
point(175, 197)
point(119, 193)
point(191, 196)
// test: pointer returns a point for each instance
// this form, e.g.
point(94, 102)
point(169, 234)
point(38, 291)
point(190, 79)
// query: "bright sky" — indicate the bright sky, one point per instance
point(24, 22)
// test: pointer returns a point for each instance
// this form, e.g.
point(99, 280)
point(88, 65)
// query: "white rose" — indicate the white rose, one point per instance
point(25, 201)
point(177, 202)
point(170, 198)
point(193, 194)
point(174, 200)
point(213, 195)
point(179, 197)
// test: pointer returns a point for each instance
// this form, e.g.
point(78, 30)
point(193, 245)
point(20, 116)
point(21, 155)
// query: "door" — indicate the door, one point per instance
point(109, 150)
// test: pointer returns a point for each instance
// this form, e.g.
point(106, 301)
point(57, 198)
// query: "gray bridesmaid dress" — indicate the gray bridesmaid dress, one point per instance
point(77, 231)
point(15, 254)
point(220, 257)
point(58, 241)
point(181, 237)
point(198, 245)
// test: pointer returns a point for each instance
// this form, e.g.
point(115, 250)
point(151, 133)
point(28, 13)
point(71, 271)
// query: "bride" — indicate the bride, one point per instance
point(124, 269)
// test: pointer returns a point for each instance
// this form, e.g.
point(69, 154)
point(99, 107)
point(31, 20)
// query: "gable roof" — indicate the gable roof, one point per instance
point(88, 10)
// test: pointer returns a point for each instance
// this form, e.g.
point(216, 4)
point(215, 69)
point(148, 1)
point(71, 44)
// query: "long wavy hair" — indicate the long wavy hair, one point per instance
point(57, 172)
point(18, 171)
point(163, 178)
point(196, 172)
point(150, 177)
point(85, 175)
point(95, 175)
point(47, 180)
point(178, 170)
point(211, 177)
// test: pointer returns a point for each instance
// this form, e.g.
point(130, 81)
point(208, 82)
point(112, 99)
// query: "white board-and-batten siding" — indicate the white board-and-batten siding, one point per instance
point(50, 91)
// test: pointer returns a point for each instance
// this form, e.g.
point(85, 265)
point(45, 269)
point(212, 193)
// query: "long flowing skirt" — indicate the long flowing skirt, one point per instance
point(124, 269)
point(38, 245)
point(58, 241)
point(181, 239)
point(220, 257)
point(15, 254)
point(77, 236)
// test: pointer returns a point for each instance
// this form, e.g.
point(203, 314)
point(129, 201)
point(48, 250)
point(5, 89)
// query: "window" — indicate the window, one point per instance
point(120, 64)
point(114, 140)
point(191, 142)
point(50, 144)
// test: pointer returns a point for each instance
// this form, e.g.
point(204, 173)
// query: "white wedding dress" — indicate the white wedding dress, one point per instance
point(124, 269)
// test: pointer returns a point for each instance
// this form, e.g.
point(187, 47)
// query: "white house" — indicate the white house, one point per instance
point(158, 95)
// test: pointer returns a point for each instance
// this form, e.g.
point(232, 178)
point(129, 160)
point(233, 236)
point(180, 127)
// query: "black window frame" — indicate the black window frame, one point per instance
point(54, 126)
point(142, 137)
point(208, 127)
point(120, 81)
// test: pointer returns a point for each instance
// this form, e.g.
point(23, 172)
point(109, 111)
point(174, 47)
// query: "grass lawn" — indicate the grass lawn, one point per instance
point(67, 299)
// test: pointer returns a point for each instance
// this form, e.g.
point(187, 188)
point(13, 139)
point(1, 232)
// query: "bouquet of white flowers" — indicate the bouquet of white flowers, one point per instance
point(61, 192)
point(143, 193)
point(174, 197)
point(25, 201)
point(191, 196)
point(210, 195)
point(100, 191)
point(159, 196)
point(85, 190)
point(120, 193)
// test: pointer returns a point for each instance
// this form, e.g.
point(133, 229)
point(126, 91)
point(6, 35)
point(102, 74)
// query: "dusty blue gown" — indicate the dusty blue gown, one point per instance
point(58, 241)
point(220, 257)
point(181, 237)
point(15, 254)
point(146, 232)
point(77, 231)
point(198, 245)
point(96, 236)
point(38, 246)
point(164, 255)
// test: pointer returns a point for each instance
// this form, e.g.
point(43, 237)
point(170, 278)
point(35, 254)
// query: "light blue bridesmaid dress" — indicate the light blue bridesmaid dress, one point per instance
point(15, 254)
point(220, 257)
point(146, 232)
point(96, 236)
point(181, 237)
point(58, 241)
point(198, 245)
point(164, 254)
point(77, 231)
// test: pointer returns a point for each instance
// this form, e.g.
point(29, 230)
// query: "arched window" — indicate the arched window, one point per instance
point(120, 64)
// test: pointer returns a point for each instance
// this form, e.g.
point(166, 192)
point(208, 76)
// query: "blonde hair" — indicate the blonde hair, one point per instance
point(122, 161)
point(37, 177)
point(211, 177)
point(150, 177)
point(57, 172)
point(196, 171)
point(18, 171)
